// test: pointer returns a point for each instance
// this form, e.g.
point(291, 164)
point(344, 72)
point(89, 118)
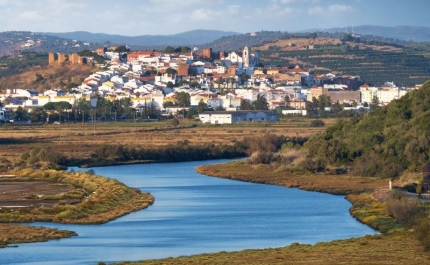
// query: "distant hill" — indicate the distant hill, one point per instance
point(406, 33)
point(17, 42)
point(194, 37)
point(236, 42)
point(374, 61)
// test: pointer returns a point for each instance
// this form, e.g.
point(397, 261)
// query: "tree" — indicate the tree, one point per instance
point(169, 49)
point(184, 83)
point(174, 122)
point(202, 107)
point(375, 103)
point(171, 71)
point(183, 99)
point(312, 107)
point(124, 106)
point(219, 81)
point(245, 105)
point(59, 107)
point(323, 102)
point(183, 49)
point(219, 108)
point(39, 78)
point(167, 104)
point(192, 112)
point(336, 108)
point(169, 84)
point(287, 102)
point(104, 106)
point(195, 84)
point(244, 77)
point(21, 114)
point(260, 103)
point(121, 48)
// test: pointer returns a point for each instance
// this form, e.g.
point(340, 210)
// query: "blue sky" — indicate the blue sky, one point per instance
point(162, 17)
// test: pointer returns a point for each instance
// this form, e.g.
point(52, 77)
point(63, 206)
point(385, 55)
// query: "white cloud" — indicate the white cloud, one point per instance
point(204, 14)
point(341, 9)
point(233, 9)
point(316, 10)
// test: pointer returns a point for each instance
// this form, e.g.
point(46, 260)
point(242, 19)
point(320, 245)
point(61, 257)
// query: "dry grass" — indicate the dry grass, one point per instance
point(54, 76)
point(79, 140)
point(274, 174)
point(102, 200)
point(13, 234)
point(395, 248)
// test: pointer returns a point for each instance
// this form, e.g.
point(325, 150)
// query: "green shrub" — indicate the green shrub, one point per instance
point(317, 123)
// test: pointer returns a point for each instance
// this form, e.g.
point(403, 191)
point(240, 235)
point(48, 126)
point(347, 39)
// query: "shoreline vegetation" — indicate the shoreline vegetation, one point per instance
point(16, 234)
point(96, 199)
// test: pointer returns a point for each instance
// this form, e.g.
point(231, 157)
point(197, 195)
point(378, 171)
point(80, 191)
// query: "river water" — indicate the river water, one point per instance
point(194, 214)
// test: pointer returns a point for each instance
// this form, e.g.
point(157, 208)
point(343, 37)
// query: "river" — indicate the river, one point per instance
point(195, 214)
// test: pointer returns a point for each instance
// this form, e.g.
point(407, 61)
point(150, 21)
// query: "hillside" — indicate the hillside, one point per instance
point(17, 42)
point(194, 37)
point(385, 143)
point(406, 33)
point(231, 43)
point(48, 76)
point(375, 62)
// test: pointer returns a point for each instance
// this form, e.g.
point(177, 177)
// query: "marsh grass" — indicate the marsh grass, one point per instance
point(101, 199)
point(276, 174)
point(13, 234)
point(395, 248)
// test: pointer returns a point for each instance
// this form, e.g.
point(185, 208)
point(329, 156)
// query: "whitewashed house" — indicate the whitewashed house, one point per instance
point(229, 117)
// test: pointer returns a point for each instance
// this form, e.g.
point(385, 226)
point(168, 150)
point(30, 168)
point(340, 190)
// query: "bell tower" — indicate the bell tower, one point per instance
point(245, 57)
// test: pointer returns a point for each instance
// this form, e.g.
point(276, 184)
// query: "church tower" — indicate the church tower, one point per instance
point(245, 57)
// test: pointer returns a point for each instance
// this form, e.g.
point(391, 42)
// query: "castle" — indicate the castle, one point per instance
point(74, 58)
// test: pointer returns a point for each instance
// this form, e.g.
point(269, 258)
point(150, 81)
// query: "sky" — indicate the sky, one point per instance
point(164, 17)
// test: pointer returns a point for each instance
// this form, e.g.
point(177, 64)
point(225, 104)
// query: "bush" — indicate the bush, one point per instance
point(423, 232)
point(317, 123)
point(263, 158)
point(403, 208)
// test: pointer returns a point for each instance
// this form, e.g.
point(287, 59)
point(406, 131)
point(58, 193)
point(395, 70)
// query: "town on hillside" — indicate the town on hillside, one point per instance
point(215, 87)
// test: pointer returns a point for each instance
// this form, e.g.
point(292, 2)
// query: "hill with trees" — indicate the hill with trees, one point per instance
point(193, 37)
point(406, 33)
point(386, 142)
point(15, 43)
point(373, 60)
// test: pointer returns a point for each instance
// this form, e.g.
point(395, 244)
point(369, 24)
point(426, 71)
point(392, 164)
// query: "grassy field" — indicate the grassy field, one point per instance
point(80, 140)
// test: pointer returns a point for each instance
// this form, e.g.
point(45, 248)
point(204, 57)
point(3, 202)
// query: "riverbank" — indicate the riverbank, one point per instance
point(16, 234)
point(396, 248)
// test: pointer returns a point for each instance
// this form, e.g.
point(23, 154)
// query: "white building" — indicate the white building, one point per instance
point(384, 96)
point(229, 117)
